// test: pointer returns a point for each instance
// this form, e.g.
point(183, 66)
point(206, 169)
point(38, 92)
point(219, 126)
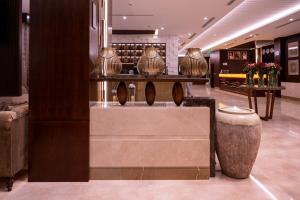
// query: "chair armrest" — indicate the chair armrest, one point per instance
point(6, 119)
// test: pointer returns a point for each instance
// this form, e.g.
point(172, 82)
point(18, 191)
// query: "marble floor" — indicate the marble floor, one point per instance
point(275, 175)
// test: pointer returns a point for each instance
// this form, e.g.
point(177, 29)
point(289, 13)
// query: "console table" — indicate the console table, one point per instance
point(150, 91)
point(268, 92)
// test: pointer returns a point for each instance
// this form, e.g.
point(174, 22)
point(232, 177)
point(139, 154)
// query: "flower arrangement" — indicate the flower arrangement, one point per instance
point(262, 70)
point(271, 70)
point(273, 67)
point(250, 70)
point(274, 70)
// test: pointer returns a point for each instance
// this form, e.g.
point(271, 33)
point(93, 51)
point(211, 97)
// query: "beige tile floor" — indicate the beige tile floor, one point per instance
point(275, 175)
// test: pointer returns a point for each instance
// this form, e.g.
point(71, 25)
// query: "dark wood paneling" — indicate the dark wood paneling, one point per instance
point(215, 67)
point(268, 57)
point(94, 46)
point(279, 58)
point(59, 60)
point(219, 61)
point(294, 78)
point(58, 151)
point(235, 66)
point(10, 47)
point(59, 90)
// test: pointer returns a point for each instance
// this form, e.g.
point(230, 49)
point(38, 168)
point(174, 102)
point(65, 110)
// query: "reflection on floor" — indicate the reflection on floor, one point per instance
point(275, 174)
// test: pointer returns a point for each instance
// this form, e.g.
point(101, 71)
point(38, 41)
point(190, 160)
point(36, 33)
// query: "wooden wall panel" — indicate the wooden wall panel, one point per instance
point(293, 78)
point(279, 56)
point(59, 60)
point(10, 47)
point(215, 67)
point(59, 90)
point(59, 151)
point(94, 46)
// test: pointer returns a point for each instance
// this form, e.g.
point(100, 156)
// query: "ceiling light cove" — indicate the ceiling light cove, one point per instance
point(248, 29)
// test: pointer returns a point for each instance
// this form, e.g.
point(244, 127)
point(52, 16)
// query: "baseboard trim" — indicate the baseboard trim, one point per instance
point(290, 98)
point(150, 173)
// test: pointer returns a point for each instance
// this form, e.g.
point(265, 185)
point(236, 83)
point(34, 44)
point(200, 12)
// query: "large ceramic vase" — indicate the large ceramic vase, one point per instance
point(150, 63)
point(194, 63)
point(108, 62)
point(238, 140)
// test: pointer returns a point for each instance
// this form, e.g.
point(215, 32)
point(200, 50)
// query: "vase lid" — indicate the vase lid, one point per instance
point(236, 110)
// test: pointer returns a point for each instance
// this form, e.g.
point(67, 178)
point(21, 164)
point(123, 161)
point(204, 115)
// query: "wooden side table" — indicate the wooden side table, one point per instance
point(268, 92)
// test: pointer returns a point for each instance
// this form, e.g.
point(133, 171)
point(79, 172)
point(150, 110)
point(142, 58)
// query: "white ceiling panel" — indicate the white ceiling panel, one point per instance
point(246, 15)
point(176, 16)
point(183, 17)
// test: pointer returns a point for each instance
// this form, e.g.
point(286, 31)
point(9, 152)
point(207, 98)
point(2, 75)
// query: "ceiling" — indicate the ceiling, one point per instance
point(232, 29)
point(228, 29)
point(268, 32)
point(177, 17)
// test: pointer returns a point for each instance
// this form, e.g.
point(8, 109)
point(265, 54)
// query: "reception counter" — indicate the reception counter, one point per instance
point(141, 142)
point(232, 82)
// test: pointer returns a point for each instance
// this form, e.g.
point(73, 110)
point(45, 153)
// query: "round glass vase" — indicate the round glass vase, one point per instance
point(273, 79)
point(261, 80)
point(250, 79)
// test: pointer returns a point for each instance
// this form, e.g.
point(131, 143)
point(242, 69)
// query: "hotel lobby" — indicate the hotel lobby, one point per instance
point(137, 99)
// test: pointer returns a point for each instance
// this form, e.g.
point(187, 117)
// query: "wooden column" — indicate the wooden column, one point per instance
point(10, 47)
point(279, 58)
point(59, 90)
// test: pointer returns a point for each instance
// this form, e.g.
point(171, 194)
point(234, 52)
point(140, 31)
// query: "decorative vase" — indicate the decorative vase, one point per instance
point(250, 79)
point(108, 62)
point(150, 63)
point(261, 80)
point(237, 140)
point(194, 63)
point(273, 79)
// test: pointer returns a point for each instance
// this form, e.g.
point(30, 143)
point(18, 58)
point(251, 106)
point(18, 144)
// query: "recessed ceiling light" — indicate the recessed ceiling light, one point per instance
point(205, 18)
point(291, 19)
point(162, 28)
point(251, 35)
point(124, 17)
point(189, 34)
point(156, 32)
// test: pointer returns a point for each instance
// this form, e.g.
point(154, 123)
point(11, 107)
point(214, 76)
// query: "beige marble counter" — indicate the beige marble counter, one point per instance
point(149, 140)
